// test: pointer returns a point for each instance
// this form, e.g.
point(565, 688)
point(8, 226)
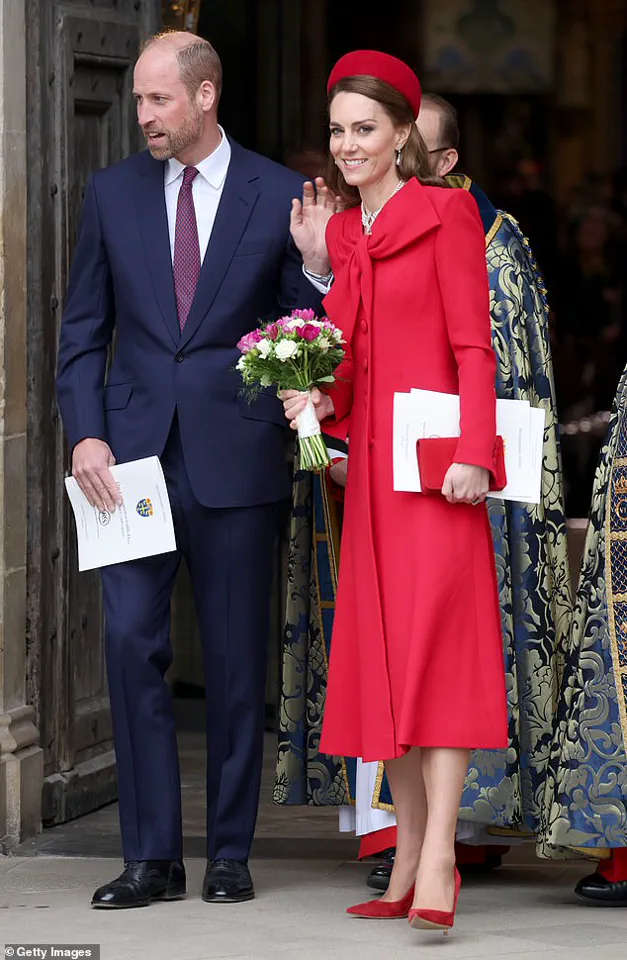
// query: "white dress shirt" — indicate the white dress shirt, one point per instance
point(206, 191)
point(322, 284)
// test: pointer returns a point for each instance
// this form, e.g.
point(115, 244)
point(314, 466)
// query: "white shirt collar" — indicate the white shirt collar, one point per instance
point(213, 168)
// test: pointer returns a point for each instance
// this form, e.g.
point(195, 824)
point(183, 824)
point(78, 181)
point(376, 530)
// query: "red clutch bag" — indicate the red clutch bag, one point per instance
point(436, 454)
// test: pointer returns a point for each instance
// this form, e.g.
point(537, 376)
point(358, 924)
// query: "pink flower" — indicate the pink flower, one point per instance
point(308, 332)
point(244, 345)
point(272, 331)
point(249, 341)
point(305, 315)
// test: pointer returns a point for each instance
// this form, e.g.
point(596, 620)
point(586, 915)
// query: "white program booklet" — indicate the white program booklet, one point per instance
point(425, 413)
point(537, 420)
point(141, 527)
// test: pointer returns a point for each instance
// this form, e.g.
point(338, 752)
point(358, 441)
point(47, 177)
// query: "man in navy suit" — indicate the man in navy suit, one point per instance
point(182, 249)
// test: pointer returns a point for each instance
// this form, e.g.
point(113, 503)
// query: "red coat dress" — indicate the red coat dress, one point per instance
point(417, 652)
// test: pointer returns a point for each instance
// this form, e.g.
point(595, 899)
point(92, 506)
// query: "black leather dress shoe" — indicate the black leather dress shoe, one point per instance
point(492, 862)
point(379, 876)
point(599, 892)
point(142, 882)
point(227, 881)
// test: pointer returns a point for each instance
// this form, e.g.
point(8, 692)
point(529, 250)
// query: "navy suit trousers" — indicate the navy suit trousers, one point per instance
point(229, 553)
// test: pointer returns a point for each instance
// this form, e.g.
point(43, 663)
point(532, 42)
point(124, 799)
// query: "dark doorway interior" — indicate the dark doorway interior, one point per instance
point(232, 29)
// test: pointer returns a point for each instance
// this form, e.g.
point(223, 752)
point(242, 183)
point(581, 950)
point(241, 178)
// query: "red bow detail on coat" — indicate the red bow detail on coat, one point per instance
point(407, 217)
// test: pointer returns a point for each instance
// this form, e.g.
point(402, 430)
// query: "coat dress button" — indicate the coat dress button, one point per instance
point(364, 326)
point(365, 363)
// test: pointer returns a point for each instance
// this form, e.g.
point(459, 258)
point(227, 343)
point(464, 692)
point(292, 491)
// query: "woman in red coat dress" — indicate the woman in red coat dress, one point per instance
point(416, 675)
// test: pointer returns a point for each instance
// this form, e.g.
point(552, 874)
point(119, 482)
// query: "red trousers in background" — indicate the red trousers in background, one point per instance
point(615, 869)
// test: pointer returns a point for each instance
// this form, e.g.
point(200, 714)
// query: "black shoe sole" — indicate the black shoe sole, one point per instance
point(479, 869)
point(159, 898)
point(242, 898)
point(593, 902)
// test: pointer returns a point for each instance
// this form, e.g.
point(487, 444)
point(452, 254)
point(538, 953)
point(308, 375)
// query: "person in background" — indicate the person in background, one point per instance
point(586, 786)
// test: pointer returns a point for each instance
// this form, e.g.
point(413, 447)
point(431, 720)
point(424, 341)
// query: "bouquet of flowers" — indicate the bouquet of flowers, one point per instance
point(294, 353)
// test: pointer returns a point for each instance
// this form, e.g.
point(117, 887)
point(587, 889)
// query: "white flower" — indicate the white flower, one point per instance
point(264, 347)
point(241, 363)
point(324, 344)
point(337, 335)
point(295, 324)
point(316, 323)
point(285, 349)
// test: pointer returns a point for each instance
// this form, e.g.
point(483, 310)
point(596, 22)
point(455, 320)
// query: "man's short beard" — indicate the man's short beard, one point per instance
point(188, 134)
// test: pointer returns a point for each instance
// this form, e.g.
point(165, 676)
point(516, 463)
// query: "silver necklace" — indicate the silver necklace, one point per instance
point(367, 219)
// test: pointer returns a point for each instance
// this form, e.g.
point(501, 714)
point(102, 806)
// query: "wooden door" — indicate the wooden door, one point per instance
point(81, 118)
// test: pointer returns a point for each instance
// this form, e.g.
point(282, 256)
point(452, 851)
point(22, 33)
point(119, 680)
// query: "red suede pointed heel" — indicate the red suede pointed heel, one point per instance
point(437, 919)
point(383, 909)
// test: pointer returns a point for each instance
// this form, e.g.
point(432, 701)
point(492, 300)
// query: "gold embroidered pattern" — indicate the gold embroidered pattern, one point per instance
point(376, 795)
point(494, 229)
point(332, 538)
point(586, 786)
point(616, 567)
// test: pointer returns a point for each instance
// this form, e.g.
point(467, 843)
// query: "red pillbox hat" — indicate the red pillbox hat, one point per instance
point(372, 63)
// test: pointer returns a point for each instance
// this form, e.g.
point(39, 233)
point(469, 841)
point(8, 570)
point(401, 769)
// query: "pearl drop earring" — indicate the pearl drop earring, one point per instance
point(399, 155)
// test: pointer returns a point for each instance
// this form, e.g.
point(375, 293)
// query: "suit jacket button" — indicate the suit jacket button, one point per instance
point(179, 357)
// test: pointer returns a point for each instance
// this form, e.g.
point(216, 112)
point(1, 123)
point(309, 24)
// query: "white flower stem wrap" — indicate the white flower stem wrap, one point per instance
point(313, 450)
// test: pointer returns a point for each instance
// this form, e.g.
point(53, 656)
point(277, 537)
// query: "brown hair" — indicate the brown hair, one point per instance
point(197, 60)
point(414, 158)
point(449, 124)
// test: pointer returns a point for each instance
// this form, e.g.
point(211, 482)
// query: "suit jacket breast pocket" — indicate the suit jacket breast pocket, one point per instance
point(255, 248)
point(266, 407)
point(117, 396)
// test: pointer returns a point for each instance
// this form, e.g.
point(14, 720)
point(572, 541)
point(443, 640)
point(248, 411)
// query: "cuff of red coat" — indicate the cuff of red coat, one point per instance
point(341, 392)
point(477, 455)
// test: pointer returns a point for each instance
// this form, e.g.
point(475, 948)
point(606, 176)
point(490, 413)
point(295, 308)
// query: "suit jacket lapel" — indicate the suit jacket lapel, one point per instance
point(239, 196)
point(153, 224)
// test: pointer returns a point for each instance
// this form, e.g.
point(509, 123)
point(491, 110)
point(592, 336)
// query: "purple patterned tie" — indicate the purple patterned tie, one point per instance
point(186, 262)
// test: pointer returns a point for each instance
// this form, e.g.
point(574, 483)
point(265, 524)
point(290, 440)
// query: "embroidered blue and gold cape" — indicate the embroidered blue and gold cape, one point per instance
point(504, 788)
point(586, 789)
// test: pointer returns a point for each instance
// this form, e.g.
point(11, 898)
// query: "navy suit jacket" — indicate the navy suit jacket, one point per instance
point(121, 282)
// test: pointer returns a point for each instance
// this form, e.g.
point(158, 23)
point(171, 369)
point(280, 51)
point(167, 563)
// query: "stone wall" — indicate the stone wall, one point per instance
point(20, 756)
